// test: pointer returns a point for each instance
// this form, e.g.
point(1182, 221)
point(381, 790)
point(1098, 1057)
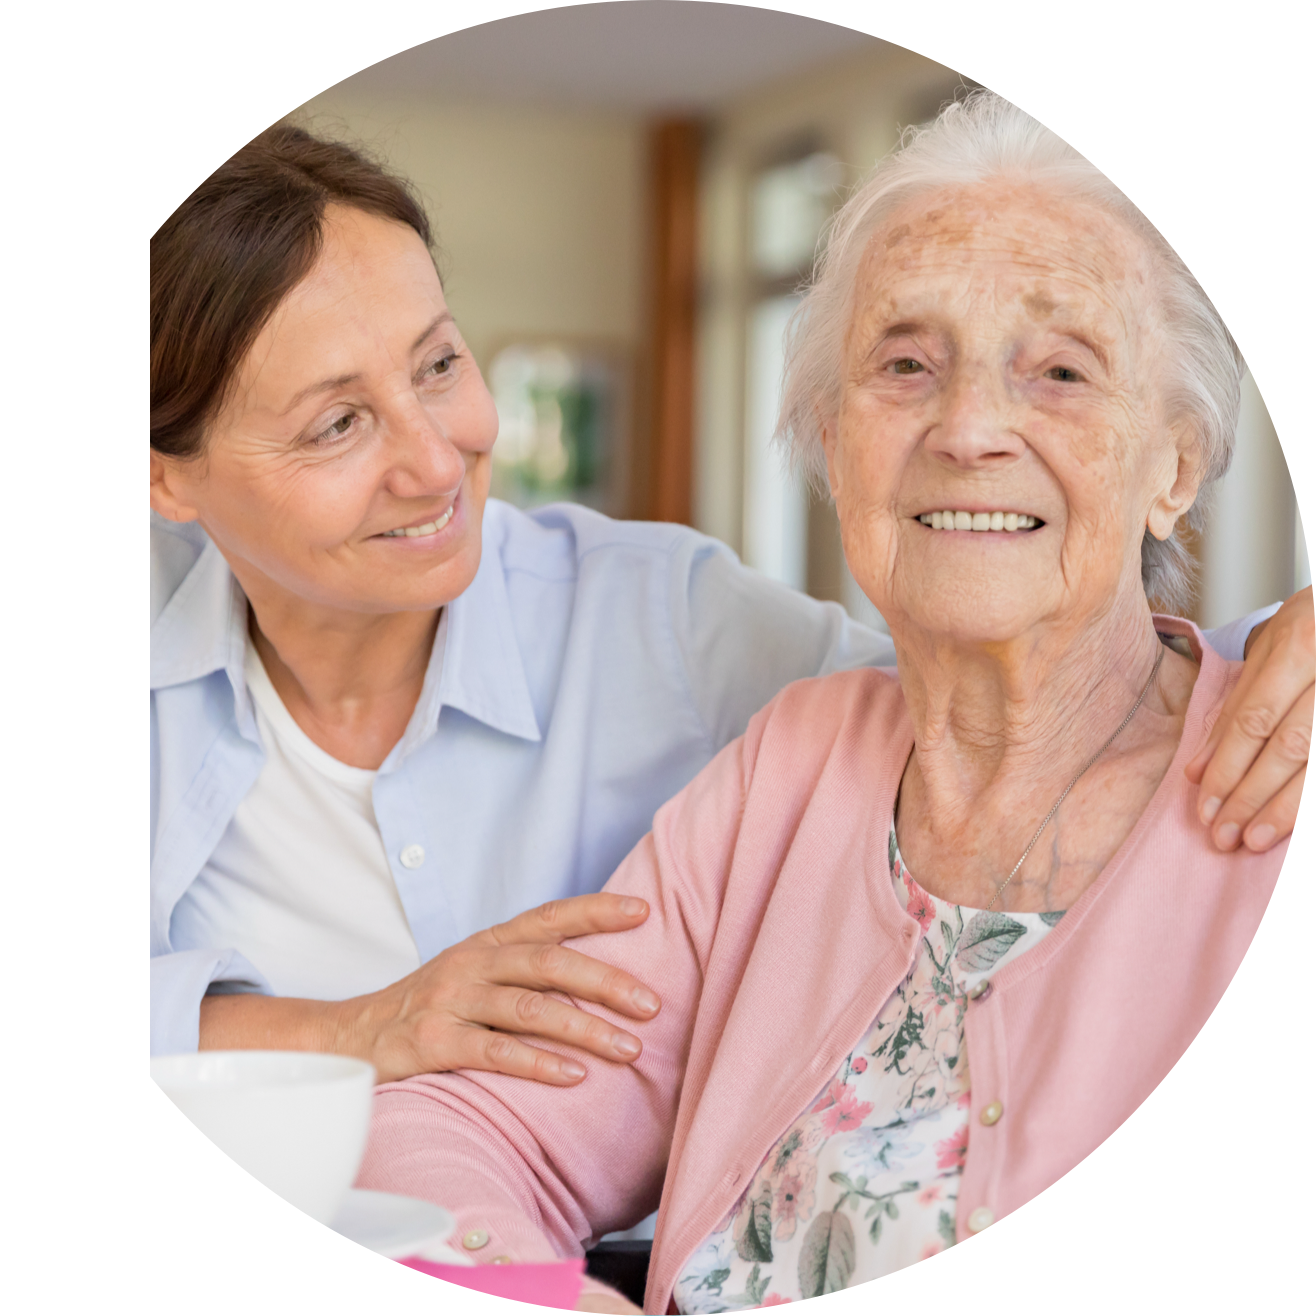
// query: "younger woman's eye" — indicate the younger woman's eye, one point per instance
point(335, 429)
point(443, 365)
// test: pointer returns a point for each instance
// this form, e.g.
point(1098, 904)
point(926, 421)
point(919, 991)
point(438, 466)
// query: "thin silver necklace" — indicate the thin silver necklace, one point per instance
point(1156, 667)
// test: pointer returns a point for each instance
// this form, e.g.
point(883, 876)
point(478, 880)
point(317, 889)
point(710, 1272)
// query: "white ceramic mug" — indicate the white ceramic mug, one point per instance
point(295, 1120)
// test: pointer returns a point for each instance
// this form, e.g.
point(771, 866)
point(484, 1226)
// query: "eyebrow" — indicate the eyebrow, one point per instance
point(341, 381)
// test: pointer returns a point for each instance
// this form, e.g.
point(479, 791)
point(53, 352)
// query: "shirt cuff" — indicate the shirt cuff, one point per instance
point(180, 980)
point(1228, 640)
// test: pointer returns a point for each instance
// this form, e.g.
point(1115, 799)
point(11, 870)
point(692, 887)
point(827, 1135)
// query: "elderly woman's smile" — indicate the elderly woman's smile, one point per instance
point(1003, 373)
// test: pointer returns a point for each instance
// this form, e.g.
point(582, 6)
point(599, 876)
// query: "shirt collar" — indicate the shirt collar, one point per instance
point(475, 666)
point(483, 673)
point(203, 628)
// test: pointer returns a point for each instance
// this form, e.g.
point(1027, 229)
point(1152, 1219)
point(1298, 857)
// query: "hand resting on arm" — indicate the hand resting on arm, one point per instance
point(461, 1009)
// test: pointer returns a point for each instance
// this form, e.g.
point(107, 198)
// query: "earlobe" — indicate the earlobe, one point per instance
point(828, 440)
point(164, 493)
point(1178, 497)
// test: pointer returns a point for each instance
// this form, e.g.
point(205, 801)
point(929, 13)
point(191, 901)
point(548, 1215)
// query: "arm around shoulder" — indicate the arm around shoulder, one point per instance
point(744, 637)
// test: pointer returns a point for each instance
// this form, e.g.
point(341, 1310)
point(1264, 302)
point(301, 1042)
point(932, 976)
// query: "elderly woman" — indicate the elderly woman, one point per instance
point(388, 713)
point(923, 944)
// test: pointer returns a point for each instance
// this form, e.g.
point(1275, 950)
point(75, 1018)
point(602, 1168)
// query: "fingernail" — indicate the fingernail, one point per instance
point(644, 1000)
point(625, 1045)
point(632, 907)
point(1210, 809)
point(1227, 837)
point(1261, 838)
point(571, 1069)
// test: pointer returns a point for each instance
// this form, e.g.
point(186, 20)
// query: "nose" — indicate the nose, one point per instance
point(974, 427)
point(423, 461)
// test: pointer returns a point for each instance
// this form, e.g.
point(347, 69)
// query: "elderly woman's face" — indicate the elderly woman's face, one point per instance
point(351, 465)
point(1005, 361)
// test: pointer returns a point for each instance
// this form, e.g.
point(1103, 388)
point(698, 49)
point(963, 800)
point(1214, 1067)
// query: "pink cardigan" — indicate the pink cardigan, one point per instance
point(774, 939)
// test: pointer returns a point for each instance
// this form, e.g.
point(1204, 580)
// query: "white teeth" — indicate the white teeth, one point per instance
point(1008, 521)
point(415, 531)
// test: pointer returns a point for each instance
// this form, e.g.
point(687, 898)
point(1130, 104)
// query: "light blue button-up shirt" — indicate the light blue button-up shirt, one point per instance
point(590, 671)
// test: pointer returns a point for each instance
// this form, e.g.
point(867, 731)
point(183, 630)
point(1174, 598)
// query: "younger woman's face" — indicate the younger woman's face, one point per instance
point(350, 466)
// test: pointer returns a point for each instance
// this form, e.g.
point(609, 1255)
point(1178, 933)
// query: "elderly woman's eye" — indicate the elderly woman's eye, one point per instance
point(1065, 375)
point(906, 366)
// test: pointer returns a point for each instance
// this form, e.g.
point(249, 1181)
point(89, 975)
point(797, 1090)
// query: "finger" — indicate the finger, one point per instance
point(1242, 691)
point(1256, 715)
point(572, 916)
point(520, 1010)
point(500, 1053)
point(1276, 820)
point(1283, 756)
point(562, 969)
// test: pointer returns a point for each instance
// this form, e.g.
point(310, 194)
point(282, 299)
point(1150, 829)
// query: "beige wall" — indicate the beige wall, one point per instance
point(539, 212)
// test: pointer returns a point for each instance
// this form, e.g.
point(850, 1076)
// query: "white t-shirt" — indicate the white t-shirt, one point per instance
point(300, 882)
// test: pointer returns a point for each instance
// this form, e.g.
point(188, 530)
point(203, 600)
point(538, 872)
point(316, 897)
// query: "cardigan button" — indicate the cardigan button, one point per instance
point(980, 990)
point(475, 1240)
point(501, 1261)
point(979, 1218)
point(990, 1113)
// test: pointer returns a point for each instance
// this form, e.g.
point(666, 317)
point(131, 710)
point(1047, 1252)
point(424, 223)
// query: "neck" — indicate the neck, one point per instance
point(351, 681)
point(1001, 729)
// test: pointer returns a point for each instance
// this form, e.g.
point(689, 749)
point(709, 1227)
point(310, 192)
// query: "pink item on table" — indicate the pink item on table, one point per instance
point(550, 1284)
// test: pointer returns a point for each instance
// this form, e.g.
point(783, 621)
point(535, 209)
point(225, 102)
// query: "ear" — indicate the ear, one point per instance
point(170, 486)
point(828, 436)
point(1177, 486)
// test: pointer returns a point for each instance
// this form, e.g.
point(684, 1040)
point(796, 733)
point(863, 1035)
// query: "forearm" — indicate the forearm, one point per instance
point(446, 1140)
point(244, 1021)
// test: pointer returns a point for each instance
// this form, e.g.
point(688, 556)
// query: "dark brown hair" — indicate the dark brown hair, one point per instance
point(226, 258)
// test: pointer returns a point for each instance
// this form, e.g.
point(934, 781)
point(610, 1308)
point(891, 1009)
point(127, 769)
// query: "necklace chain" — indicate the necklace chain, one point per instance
point(1156, 667)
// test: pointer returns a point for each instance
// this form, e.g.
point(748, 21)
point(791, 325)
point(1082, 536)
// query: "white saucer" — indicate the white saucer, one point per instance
point(397, 1226)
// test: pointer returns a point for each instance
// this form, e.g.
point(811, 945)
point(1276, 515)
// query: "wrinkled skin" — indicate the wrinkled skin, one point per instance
point(1006, 353)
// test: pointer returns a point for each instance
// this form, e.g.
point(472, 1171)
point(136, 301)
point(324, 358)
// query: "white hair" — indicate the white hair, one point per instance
point(979, 138)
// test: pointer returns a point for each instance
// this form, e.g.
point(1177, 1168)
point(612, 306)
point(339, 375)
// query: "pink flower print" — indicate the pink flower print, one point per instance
point(775, 1300)
point(841, 1112)
point(793, 1200)
point(930, 1194)
point(919, 903)
point(952, 1151)
point(930, 1251)
point(858, 1064)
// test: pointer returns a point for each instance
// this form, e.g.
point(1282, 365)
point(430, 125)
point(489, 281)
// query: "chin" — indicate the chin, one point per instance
point(966, 616)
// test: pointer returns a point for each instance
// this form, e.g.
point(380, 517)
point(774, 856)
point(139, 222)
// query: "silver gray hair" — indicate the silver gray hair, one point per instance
point(979, 138)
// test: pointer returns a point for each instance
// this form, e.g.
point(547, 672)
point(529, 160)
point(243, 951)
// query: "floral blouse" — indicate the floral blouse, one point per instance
point(865, 1181)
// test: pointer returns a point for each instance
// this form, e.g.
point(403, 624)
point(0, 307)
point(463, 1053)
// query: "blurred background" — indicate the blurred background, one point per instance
point(627, 198)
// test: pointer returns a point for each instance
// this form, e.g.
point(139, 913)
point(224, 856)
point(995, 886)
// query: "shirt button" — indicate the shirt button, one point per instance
point(989, 1114)
point(979, 990)
point(413, 856)
point(475, 1240)
point(979, 1218)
